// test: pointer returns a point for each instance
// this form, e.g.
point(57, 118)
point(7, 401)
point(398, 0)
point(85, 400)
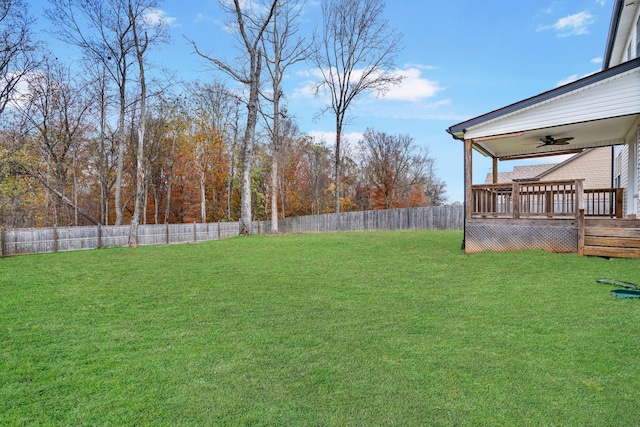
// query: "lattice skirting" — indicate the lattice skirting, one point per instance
point(499, 238)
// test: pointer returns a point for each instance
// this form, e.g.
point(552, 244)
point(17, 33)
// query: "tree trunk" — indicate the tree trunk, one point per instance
point(139, 198)
point(167, 209)
point(45, 183)
point(140, 172)
point(120, 167)
point(247, 145)
point(274, 161)
point(274, 194)
point(203, 196)
point(337, 165)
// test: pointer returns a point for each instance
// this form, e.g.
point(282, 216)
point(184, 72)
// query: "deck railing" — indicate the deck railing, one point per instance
point(536, 199)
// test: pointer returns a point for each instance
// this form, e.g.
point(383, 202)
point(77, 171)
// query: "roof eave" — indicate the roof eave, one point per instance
point(460, 128)
point(613, 30)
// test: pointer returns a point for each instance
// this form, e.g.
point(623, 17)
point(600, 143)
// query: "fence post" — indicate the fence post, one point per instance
point(166, 231)
point(99, 245)
point(2, 239)
point(55, 238)
point(195, 237)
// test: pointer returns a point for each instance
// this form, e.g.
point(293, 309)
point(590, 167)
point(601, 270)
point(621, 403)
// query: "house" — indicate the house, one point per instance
point(593, 165)
point(600, 110)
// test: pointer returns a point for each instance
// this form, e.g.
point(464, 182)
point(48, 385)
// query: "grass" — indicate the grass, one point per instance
point(380, 329)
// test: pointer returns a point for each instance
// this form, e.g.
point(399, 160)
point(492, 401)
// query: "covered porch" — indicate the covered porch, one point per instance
point(601, 110)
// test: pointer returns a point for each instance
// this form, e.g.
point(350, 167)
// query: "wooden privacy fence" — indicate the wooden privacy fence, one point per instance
point(59, 239)
point(449, 217)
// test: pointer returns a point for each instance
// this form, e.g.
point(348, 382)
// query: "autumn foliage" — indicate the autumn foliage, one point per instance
point(191, 169)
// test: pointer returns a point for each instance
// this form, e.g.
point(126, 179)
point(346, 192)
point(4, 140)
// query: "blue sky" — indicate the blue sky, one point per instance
point(461, 58)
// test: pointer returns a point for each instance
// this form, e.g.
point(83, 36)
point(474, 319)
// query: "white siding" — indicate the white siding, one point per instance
point(629, 170)
point(626, 40)
point(630, 51)
point(637, 166)
point(618, 96)
point(624, 173)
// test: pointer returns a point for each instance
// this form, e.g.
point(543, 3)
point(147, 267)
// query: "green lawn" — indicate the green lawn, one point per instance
point(355, 329)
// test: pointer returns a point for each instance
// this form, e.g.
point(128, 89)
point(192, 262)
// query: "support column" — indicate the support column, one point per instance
point(468, 177)
point(495, 170)
point(632, 179)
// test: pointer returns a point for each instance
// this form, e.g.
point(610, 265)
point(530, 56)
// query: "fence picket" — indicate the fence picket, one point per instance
point(42, 240)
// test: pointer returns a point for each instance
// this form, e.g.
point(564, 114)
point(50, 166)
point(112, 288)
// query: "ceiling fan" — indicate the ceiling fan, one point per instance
point(549, 140)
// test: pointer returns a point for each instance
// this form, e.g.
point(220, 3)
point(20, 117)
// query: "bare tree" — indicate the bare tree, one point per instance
point(283, 48)
point(212, 108)
point(103, 150)
point(141, 28)
point(56, 107)
point(108, 40)
point(398, 171)
point(249, 27)
point(103, 30)
point(17, 48)
point(355, 54)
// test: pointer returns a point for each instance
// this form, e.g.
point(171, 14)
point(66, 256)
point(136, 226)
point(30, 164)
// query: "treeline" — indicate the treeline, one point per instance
point(100, 142)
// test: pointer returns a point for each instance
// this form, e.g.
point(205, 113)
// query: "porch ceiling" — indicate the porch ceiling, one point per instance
point(598, 133)
point(600, 110)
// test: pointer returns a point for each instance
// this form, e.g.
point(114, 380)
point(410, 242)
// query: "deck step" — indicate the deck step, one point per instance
point(612, 238)
point(611, 252)
point(616, 242)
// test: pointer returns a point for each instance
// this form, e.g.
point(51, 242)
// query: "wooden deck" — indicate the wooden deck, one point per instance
point(557, 216)
point(616, 238)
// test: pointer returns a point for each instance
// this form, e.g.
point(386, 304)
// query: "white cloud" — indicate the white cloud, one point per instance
point(201, 17)
point(414, 87)
point(567, 80)
point(601, 2)
point(572, 78)
point(597, 60)
point(158, 16)
point(307, 89)
point(329, 138)
point(572, 25)
point(420, 66)
point(17, 97)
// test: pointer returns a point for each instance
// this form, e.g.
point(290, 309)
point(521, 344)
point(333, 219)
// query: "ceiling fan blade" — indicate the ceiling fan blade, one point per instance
point(563, 140)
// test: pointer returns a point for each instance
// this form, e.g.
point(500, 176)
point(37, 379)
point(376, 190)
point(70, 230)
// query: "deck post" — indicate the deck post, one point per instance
point(515, 194)
point(468, 174)
point(581, 232)
point(580, 214)
point(495, 171)
point(619, 202)
point(579, 196)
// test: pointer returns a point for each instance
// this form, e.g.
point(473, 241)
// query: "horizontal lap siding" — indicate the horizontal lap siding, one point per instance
point(619, 96)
